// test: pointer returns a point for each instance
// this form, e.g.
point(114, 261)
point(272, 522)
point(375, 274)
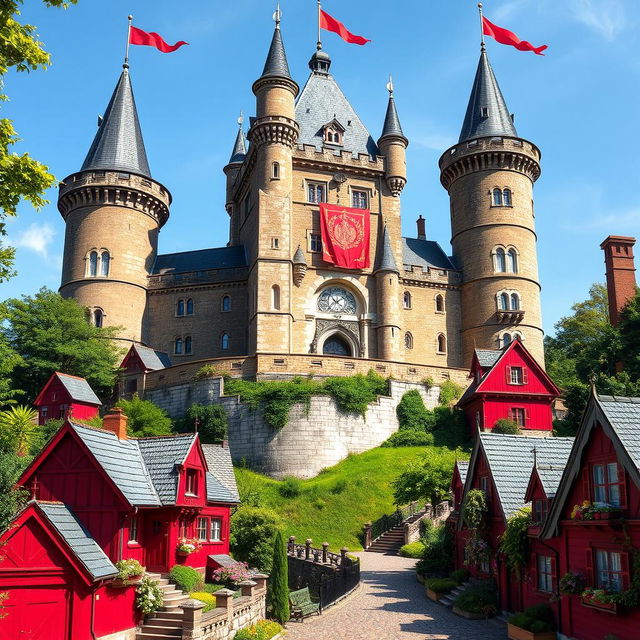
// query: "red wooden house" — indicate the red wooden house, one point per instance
point(139, 361)
point(508, 383)
point(66, 396)
point(97, 497)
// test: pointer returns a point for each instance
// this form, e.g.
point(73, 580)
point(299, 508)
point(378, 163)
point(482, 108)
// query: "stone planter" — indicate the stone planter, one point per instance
point(435, 595)
point(517, 633)
point(122, 584)
point(468, 615)
point(608, 607)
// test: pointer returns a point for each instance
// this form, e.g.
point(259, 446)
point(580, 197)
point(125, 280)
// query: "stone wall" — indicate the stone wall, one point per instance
point(313, 439)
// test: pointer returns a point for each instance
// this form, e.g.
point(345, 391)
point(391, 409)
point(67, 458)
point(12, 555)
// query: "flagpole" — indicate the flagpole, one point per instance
point(319, 43)
point(126, 53)
point(482, 47)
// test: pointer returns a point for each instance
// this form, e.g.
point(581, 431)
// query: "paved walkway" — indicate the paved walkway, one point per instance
point(391, 605)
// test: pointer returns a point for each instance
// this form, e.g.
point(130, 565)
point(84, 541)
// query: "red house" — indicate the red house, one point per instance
point(139, 361)
point(508, 384)
point(98, 497)
point(66, 396)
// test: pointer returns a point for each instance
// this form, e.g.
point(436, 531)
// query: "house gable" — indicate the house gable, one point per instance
point(535, 489)
point(192, 480)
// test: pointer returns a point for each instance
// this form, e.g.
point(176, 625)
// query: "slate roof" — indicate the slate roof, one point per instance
point(151, 359)
point(424, 253)
point(161, 455)
point(239, 148)
point(219, 462)
point(392, 126)
point(322, 101)
point(217, 492)
point(201, 260)
point(511, 458)
point(488, 357)
point(118, 144)
point(83, 546)
point(463, 467)
point(299, 257)
point(387, 261)
point(486, 94)
point(550, 476)
point(78, 388)
point(624, 416)
point(276, 63)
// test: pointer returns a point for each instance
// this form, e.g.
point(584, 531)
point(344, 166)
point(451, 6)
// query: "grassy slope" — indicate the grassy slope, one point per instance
point(334, 505)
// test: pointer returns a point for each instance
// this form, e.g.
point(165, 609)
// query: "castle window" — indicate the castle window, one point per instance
point(316, 192)
point(359, 199)
point(224, 341)
point(333, 133)
point(506, 339)
point(189, 307)
point(180, 308)
point(226, 304)
point(98, 316)
point(187, 345)
point(497, 198)
point(275, 243)
point(512, 260)
point(439, 303)
point(515, 302)
point(406, 300)
point(275, 171)
point(275, 297)
point(504, 302)
point(442, 343)
point(93, 263)
point(501, 261)
point(484, 112)
point(408, 341)
point(315, 243)
point(105, 260)
point(177, 347)
point(506, 197)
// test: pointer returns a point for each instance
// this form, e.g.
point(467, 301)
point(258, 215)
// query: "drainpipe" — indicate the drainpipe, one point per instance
point(93, 609)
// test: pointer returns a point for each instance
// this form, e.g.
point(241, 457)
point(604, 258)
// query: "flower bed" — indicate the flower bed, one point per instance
point(534, 623)
point(437, 588)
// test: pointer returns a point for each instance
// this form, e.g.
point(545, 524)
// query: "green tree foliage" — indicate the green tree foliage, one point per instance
point(145, 418)
point(18, 429)
point(51, 333)
point(506, 426)
point(630, 337)
point(450, 393)
point(279, 581)
point(514, 542)
point(474, 508)
point(412, 414)
point(252, 534)
point(210, 421)
point(9, 359)
point(429, 480)
point(21, 177)
point(11, 499)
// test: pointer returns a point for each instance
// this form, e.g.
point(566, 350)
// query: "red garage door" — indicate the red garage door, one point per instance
point(36, 613)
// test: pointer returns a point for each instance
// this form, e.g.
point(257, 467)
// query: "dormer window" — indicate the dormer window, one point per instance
point(333, 133)
point(484, 111)
point(191, 482)
point(540, 510)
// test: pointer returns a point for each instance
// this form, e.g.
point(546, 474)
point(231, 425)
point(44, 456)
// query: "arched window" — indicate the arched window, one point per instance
point(187, 345)
point(506, 197)
point(226, 303)
point(275, 297)
point(497, 197)
point(517, 335)
point(180, 308)
point(503, 302)
point(406, 300)
point(98, 317)
point(275, 170)
point(515, 302)
point(506, 339)
point(336, 345)
point(439, 303)
point(442, 343)
point(501, 263)
point(512, 261)
point(93, 263)
point(224, 341)
point(189, 307)
point(105, 260)
point(408, 341)
point(177, 347)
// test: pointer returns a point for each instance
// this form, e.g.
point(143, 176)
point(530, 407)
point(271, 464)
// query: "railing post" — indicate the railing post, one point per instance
point(325, 550)
point(343, 553)
point(291, 545)
point(192, 618)
point(224, 600)
point(367, 535)
point(247, 587)
point(316, 555)
point(261, 580)
point(307, 550)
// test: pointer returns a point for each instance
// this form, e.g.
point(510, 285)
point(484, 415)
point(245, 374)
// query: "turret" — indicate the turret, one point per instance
point(393, 146)
point(388, 296)
point(232, 171)
point(113, 210)
point(489, 175)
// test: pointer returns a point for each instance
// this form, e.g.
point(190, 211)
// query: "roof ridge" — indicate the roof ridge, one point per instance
point(619, 399)
point(70, 375)
point(170, 435)
point(176, 253)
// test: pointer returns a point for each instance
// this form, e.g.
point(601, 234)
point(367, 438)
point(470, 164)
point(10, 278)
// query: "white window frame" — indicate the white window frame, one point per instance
point(212, 530)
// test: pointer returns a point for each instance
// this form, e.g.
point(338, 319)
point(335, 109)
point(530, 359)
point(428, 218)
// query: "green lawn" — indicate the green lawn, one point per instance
point(333, 506)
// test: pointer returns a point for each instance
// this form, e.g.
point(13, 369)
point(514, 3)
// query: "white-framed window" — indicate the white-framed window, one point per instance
point(93, 263)
point(501, 197)
point(609, 571)
point(202, 529)
point(133, 529)
point(105, 262)
point(190, 307)
point(545, 574)
point(516, 375)
point(496, 197)
point(519, 416)
point(359, 199)
point(512, 260)
point(191, 482)
point(607, 481)
point(224, 341)
point(275, 297)
point(501, 260)
point(225, 305)
point(506, 197)
point(216, 530)
point(439, 303)
point(515, 301)
point(316, 192)
point(508, 301)
point(315, 243)
point(442, 343)
point(406, 300)
point(408, 340)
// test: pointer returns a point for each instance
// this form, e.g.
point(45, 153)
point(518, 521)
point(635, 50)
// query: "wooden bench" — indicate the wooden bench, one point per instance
point(302, 605)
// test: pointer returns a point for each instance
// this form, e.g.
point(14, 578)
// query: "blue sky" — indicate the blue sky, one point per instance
point(579, 104)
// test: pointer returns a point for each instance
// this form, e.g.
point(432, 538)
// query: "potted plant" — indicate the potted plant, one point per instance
point(437, 588)
point(187, 546)
point(571, 583)
point(130, 572)
point(534, 623)
point(477, 602)
point(599, 599)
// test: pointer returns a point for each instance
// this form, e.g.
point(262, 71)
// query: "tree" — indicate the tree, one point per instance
point(630, 336)
point(9, 359)
point(21, 177)
point(11, 498)
point(253, 530)
point(412, 414)
point(279, 581)
point(18, 429)
point(209, 420)
point(145, 418)
point(50, 333)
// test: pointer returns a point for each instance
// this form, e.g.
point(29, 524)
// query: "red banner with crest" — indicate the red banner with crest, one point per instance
point(345, 236)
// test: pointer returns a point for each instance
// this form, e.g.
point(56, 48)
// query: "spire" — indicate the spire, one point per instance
point(487, 113)
point(118, 144)
point(392, 126)
point(298, 256)
point(387, 261)
point(276, 64)
point(240, 147)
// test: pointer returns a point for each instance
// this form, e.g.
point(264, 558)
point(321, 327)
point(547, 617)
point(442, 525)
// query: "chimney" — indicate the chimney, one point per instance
point(422, 231)
point(116, 422)
point(621, 276)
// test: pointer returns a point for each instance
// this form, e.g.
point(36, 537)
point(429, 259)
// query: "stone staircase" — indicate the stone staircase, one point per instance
point(449, 599)
point(165, 624)
point(390, 542)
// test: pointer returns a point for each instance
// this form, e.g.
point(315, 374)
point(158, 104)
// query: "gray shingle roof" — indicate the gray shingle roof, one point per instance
point(624, 416)
point(387, 261)
point(463, 467)
point(424, 253)
point(201, 260)
point(220, 465)
point(550, 476)
point(78, 388)
point(217, 492)
point(151, 359)
point(322, 101)
point(276, 63)
point(488, 357)
point(239, 149)
point(486, 95)
point(392, 126)
point(510, 459)
point(118, 144)
point(84, 547)
point(299, 257)
point(161, 455)
point(122, 462)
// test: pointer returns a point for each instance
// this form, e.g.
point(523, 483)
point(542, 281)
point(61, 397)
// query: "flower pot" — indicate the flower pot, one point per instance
point(122, 584)
point(517, 633)
point(468, 615)
point(182, 554)
point(436, 596)
point(608, 607)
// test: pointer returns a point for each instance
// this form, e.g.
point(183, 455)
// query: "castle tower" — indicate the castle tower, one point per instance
point(489, 175)
point(393, 146)
point(113, 211)
point(231, 171)
point(388, 294)
point(266, 230)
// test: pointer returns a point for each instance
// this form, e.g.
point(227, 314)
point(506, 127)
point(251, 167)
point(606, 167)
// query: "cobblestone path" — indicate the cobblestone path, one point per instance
point(391, 605)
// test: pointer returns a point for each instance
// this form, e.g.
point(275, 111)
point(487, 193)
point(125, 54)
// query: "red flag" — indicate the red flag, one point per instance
point(345, 236)
point(138, 36)
point(503, 36)
point(331, 24)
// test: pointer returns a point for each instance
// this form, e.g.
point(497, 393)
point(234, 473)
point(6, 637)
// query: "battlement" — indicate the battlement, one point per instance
point(337, 158)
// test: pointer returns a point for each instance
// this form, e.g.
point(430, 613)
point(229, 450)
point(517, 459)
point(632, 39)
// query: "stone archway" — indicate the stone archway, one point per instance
point(337, 332)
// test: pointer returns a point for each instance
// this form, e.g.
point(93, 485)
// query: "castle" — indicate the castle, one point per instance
point(269, 303)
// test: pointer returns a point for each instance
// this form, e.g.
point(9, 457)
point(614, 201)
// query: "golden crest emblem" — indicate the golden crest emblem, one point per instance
point(345, 231)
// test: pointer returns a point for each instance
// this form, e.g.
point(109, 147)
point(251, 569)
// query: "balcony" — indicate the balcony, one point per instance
point(513, 316)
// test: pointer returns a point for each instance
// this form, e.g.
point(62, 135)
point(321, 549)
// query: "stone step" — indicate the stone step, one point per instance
point(169, 623)
point(143, 635)
point(162, 629)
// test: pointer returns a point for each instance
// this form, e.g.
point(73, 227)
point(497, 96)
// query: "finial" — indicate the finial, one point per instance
point(240, 119)
point(390, 86)
point(535, 456)
point(482, 47)
point(592, 383)
point(125, 65)
point(277, 15)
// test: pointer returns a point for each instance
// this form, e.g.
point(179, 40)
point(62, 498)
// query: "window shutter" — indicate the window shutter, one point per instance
point(508, 374)
point(586, 490)
point(589, 568)
point(525, 375)
point(526, 417)
point(624, 565)
point(622, 479)
point(534, 571)
point(554, 573)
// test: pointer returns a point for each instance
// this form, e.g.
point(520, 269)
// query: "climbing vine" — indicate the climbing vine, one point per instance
point(474, 508)
point(514, 542)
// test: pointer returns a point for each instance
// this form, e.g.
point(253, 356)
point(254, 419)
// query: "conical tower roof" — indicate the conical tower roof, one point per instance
point(387, 261)
point(487, 113)
point(298, 256)
point(118, 145)
point(276, 63)
point(239, 148)
point(392, 126)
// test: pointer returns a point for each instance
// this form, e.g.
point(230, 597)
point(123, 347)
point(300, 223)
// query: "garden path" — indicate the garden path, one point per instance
point(391, 605)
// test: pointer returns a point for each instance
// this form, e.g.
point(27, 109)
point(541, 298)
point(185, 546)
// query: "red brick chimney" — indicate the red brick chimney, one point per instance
point(116, 422)
point(422, 232)
point(621, 273)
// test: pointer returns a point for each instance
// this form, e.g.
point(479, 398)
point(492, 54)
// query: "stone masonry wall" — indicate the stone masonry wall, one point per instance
point(311, 440)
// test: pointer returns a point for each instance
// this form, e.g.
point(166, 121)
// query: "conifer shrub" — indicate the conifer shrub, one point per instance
point(412, 414)
point(279, 581)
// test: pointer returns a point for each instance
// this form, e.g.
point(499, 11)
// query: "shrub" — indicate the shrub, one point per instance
point(232, 576)
point(412, 550)
point(262, 630)
point(474, 508)
point(211, 422)
point(129, 568)
point(207, 371)
point(208, 599)
point(290, 487)
point(353, 394)
point(479, 598)
point(148, 596)
point(186, 579)
point(212, 588)
point(279, 582)
point(412, 414)
point(460, 575)
point(252, 532)
point(507, 427)
point(514, 542)
point(441, 585)
point(438, 553)
point(450, 392)
point(538, 619)
point(145, 418)
point(339, 487)
point(409, 438)
point(450, 428)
